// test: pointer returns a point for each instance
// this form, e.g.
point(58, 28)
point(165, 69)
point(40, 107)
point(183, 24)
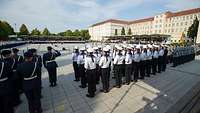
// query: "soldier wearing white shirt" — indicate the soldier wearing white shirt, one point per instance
point(118, 67)
point(136, 59)
point(104, 63)
point(142, 62)
point(128, 65)
point(90, 66)
point(75, 65)
point(98, 56)
point(81, 62)
point(148, 61)
point(155, 60)
point(160, 59)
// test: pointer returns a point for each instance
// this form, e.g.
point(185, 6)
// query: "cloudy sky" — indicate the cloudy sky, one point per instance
point(59, 15)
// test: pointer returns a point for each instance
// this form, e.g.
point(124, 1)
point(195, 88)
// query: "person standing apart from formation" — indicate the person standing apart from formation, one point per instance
point(128, 65)
point(29, 71)
point(104, 63)
point(90, 66)
point(118, 64)
point(75, 65)
point(51, 65)
point(155, 60)
point(81, 69)
point(6, 88)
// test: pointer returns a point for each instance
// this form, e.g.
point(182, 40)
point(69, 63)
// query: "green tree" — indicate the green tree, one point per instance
point(35, 32)
point(46, 32)
point(5, 30)
point(76, 33)
point(129, 31)
point(116, 33)
point(123, 31)
point(85, 34)
point(193, 29)
point(68, 33)
point(23, 30)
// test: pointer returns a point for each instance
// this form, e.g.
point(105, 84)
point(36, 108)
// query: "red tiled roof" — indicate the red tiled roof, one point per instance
point(168, 13)
point(141, 20)
point(181, 13)
point(111, 21)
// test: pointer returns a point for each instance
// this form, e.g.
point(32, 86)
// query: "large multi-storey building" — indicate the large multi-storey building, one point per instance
point(168, 23)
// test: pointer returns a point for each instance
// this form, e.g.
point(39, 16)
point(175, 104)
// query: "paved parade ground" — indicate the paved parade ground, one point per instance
point(156, 94)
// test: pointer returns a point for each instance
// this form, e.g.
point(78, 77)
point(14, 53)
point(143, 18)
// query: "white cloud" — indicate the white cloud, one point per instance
point(182, 4)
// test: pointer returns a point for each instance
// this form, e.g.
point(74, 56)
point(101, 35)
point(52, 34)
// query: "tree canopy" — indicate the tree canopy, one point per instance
point(193, 29)
point(5, 30)
point(23, 30)
point(46, 32)
point(129, 31)
point(35, 32)
point(123, 31)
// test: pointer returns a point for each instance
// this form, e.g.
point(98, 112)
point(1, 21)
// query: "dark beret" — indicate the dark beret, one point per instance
point(28, 54)
point(15, 50)
point(49, 48)
point(32, 50)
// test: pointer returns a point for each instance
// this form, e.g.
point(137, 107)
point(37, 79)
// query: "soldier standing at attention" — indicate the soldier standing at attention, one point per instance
point(155, 60)
point(51, 65)
point(90, 66)
point(143, 62)
point(29, 71)
point(81, 62)
point(136, 63)
point(128, 65)
point(37, 59)
point(18, 59)
point(75, 65)
point(148, 61)
point(165, 58)
point(98, 56)
point(118, 64)
point(6, 91)
point(160, 59)
point(104, 63)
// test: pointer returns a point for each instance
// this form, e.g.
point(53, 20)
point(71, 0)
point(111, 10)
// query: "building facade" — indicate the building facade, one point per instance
point(168, 23)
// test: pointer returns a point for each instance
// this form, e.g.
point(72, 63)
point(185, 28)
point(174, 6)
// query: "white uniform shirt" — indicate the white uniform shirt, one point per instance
point(143, 56)
point(155, 54)
point(149, 55)
point(89, 64)
point(161, 52)
point(81, 59)
point(118, 59)
point(128, 59)
point(136, 57)
point(103, 63)
point(98, 56)
point(74, 57)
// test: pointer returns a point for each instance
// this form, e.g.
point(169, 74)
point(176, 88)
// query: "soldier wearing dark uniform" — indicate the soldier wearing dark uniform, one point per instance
point(148, 61)
point(75, 65)
point(143, 62)
point(17, 60)
point(165, 58)
point(37, 59)
point(81, 69)
point(51, 65)
point(98, 72)
point(104, 63)
point(90, 66)
point(118, 64)
point(29, 71)
point(160, 59)
point(6, 88)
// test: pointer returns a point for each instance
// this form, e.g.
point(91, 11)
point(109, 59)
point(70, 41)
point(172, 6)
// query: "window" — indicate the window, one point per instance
point(172, 24)
point(187, 17)
point(191, 17)
point(160, 20)
point(183, 17)
point(160, 25)
point(177, 24)
point(159, 31)
point(169, 25)
point(166, 25)
point(168, 30)
point(185, 23)
point(181, 23)
point(172, 30)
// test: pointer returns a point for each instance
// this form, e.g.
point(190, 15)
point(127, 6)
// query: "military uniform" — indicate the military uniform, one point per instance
point(98, 71)
point(51, 66)
point(90, 66)
point(155, 61)
point(160, 60)
point(75, 65)
point(136, 59)
point(81, 62)
point(104, 63)
point(128, 66)
point(148, 62)
point(6, 88)
point(30, 72)
point(142, 64)
point(118, 70)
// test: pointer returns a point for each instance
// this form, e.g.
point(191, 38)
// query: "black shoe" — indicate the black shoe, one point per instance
point(102, 90)
point(76, 80)
point(51, 85)
point(97, 82)
point(82, 86)
point(55, 84)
